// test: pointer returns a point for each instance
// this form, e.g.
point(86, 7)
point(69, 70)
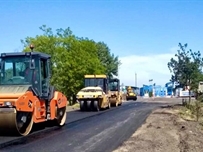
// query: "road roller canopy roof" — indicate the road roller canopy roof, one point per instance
point(95, 76)
point(40, 54)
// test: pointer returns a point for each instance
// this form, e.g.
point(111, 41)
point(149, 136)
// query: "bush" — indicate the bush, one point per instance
point(195, 108)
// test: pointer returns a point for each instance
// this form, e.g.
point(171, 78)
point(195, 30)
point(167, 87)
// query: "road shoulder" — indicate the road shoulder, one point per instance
point(165, 131)
point(74, 107)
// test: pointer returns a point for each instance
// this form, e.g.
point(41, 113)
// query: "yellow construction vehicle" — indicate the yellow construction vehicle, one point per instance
point(26, 96)
point(115, 96)
point(131, 95)
point(95, 94)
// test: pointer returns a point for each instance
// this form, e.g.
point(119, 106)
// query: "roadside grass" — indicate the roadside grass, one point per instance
point(192, 111)
point(186, 114)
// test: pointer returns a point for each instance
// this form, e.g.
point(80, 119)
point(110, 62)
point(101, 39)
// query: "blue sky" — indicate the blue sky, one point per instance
point(144, 34)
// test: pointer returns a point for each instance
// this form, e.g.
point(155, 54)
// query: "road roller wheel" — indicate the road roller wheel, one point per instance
point(96, 105)
point(119, 104)
point(61, 116)
point(89, 105)
point(24, 122)
point(82, 105)
point(15, 122)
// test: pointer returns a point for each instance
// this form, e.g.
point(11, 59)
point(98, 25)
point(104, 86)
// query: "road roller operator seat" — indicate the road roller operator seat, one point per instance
point(16, 67)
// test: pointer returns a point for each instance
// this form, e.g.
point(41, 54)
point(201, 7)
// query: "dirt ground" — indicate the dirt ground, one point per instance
point(165, 131)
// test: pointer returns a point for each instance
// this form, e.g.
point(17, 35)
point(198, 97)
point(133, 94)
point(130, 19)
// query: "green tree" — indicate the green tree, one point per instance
point(186, 69)
point(108, 60)
point(72, 58)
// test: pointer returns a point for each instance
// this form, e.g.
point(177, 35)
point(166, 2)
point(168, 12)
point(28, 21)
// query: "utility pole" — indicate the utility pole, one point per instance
point(135, 79)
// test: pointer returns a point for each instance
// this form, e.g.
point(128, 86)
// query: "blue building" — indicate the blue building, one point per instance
point(169, 86)
point(157, 89)
point(145, 89)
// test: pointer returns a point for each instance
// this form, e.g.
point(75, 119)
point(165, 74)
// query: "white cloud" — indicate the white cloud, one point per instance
point(147, 67)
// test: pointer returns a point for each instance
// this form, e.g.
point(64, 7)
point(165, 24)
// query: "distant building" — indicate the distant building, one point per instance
point(170, 86)
point(157, 90)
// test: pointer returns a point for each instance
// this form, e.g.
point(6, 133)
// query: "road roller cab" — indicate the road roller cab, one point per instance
point(94, 96)
point(115, 95)
point(131, 95)
point(26, 96)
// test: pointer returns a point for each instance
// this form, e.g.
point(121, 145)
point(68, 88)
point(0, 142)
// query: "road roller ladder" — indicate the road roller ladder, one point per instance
point(26, 96)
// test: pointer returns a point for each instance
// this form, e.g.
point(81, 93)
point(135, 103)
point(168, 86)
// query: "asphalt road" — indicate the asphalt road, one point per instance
point(101, 133)
point(72, 116)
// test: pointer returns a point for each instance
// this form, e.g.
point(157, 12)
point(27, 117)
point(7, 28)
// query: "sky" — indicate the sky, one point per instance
point(144, 34)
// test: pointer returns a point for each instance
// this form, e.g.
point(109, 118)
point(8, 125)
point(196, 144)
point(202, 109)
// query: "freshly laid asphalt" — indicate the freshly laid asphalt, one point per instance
point(85, 131)
point(72, 116)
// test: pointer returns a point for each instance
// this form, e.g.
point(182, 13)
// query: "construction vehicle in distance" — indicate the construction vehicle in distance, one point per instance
point(26, 96)
point(115, 96)
point(131, 95)
point(94, 96)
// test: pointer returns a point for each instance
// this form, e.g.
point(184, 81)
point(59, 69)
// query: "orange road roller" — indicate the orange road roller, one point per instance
point(26, 96)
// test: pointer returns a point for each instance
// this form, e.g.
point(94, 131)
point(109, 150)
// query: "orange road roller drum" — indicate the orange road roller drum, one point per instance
point(13, 123)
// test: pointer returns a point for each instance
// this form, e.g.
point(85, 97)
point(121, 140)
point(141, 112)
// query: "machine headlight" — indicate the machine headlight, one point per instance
point(8, 103)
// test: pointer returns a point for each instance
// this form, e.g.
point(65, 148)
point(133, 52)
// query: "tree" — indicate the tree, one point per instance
point(186, 69)
point(72, 58)
point(108, 60)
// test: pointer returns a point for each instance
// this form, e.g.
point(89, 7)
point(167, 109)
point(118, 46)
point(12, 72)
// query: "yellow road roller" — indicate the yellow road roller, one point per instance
point(26, 96)
point(115, 95)
point(131, 95)
point(94, 96)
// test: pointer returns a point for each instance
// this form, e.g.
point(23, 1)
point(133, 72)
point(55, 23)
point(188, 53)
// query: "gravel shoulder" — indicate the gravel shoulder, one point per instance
point(73, 107)
point(165, 131)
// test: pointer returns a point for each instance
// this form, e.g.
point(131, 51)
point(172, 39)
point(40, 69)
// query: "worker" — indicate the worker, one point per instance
point(27, 73)
point(31, 75)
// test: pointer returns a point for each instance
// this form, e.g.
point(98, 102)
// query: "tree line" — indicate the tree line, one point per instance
point(73, 57)
point(186, 68)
